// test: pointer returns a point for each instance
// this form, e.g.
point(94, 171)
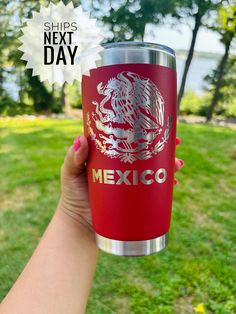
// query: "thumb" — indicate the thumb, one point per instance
point(75, 159)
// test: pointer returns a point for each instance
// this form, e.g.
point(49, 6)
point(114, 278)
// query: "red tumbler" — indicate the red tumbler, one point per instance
point(129, 111)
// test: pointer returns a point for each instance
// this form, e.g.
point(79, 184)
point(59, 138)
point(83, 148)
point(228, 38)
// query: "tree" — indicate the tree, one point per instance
point(12, 15)
point(37, 91)
point(5, 46)
point(127, 19)
point(198, 10)
point(226, 26)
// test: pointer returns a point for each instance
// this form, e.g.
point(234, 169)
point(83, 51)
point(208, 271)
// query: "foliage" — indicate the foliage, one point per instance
point(42, 99)
point(227, 96)
point(194, 104)
point(197, 270)
point(190, 8)
point(127, 19)
point(224, 75)
point(226, 22)
point(7, 104)
point(34, 96)
point(75, 95)
point(230, 110)
point(199, 10)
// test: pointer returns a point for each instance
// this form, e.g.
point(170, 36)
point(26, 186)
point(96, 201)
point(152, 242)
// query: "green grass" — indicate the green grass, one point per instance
point(199, 264)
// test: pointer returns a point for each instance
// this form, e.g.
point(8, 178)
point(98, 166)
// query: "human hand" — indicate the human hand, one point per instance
point(179, 163)
point(74, 199)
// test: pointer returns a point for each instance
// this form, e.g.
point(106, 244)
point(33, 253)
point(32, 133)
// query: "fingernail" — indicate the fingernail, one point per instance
point(181, 162)
point(76, 143)
point(175, 181)
point(178, 141)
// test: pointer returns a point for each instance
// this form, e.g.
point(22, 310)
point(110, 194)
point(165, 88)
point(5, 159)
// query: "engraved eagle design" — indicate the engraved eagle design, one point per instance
point(129, 120)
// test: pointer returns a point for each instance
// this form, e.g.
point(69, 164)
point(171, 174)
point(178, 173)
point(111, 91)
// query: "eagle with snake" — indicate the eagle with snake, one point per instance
point(130, 118)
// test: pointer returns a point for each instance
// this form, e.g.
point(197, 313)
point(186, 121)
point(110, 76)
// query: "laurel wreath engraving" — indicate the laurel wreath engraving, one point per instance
point(134, 101)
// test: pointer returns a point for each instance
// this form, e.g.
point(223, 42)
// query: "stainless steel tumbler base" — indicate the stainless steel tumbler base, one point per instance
point(132, 248)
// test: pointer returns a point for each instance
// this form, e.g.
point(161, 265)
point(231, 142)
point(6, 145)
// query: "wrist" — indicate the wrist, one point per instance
point(73, 220)
point(78, 215)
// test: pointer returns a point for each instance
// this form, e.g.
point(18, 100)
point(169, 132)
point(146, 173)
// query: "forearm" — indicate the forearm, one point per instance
point(58, 277)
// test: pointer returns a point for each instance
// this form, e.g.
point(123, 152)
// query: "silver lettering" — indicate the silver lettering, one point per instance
point(97, 175)
point(135, 177)
point(129, 177)
point(161, 172)
point(108, 176)
point(123, 177)
point(143, 177)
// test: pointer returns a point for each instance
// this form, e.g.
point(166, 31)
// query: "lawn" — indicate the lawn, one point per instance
point(196, 274)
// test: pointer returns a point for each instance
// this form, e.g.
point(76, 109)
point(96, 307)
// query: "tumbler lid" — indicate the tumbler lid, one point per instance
point(128, 52)
point(140, 44)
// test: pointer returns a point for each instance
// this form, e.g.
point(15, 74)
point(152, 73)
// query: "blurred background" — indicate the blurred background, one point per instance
point(202, 33)
point(38, 122)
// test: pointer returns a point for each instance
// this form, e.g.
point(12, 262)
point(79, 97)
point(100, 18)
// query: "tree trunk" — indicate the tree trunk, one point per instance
point(1, 78)
point(221, 68)
point(197, 25)
point(63, 96)
point(64, 99)
point(142, 33)
point(21, 86)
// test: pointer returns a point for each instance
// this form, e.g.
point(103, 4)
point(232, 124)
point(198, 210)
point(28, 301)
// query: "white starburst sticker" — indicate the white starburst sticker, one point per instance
point(60, 43)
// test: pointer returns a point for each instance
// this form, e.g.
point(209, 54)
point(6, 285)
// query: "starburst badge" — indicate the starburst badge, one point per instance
point(60, 43)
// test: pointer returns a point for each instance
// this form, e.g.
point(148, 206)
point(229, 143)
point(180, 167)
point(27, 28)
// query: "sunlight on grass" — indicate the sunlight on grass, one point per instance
point(195, 272)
